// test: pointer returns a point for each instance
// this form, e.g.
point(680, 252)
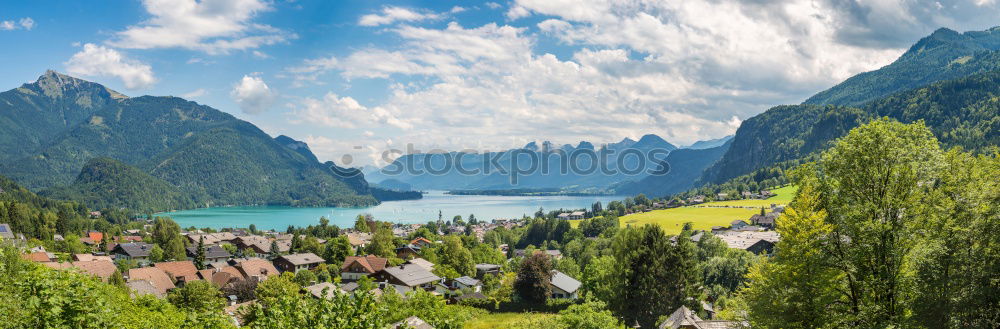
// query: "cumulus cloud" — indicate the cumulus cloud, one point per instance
point(25, 23)
point(391, 14)
point(253, 95)
point(342, 112)
point(100, 61)
point(211, 26)
point(685, 70)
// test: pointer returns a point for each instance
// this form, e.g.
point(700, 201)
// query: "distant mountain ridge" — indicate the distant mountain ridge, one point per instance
point(210, 156)
point(447, 175)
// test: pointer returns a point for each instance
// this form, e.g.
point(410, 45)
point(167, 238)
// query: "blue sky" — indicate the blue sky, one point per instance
point(358, 77)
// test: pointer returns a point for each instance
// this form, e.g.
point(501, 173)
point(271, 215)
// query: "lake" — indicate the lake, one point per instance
point(485, 207)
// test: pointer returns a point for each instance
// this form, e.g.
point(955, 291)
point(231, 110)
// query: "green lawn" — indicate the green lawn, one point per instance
point(504, 320)
point(782, 195)
point(702, 218)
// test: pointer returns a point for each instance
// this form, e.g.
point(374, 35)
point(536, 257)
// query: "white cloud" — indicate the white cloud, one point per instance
point(211, 26)
point(456, 9)
point(391, 14)
point(100, 61)
point(260, 54)
point(25, 23)
point(685, 70)
point(253, 95)
point(342, 112)
point(493, 5)
point(194, 93)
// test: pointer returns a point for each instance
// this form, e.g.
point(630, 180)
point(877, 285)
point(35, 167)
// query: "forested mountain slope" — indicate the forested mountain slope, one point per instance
point(961, 111)
point(210, 156)
point(108, 183)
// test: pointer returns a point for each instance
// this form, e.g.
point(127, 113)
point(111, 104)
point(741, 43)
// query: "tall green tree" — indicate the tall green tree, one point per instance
point(534, 278)
point(657, 275)
point(199, 257)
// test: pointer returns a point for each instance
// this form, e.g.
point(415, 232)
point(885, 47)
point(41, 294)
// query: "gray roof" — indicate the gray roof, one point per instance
point(564, 282)
point(412, 275)
point(303, 259)
point(349, 287)
point(467, 281)
point(210, 252)
point(487, 267)
point(6, 232)
point(135, 249)
point(427, 265)
point(323, 289)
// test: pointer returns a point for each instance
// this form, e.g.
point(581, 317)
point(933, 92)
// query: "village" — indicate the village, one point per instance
point(237, 258)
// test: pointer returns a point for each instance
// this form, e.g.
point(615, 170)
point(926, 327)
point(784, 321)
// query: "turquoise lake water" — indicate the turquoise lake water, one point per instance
point(410, 211)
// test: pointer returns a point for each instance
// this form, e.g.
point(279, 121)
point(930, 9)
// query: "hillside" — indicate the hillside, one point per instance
point(686, 165)
point(207, 154)
point(954, 76)
point(943, 55)
point(108, 183)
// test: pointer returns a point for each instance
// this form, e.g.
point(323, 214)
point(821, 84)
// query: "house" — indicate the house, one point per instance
point(212, 238)
point(412, 322)
point(483, 269)
point(769, 220)
point(563, 216)
point(563, 286)
point(6, 233)
point(408, 251)
point(102, 269)
point(737, 224)
point(181, 271)
point(322, 290)
point(576, 215)
point(659, 205)
point(213, 254)
point(254, 243)
point(221, 276)
point(466, 282)
point(757, 242)
point(137, 251)
point(256, 269)
point(554, 253)
point(156, 277)
point(144, 287)
point(684, 318)
point(298, 262)
point(356, 267)
point(422, 263)
point(421, 242)
point(411, 276)
point(359, 240)
point(39, 257)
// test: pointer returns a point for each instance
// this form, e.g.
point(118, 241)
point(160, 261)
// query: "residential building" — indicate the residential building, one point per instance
point(213, 254)
point(466, 282)
point(256, 269)
point(212, 238)
point(576, 215)
point(355, 267)
point(411, 276)
point(408, 251)
point(483, 269)
point(758, 242)
point(737, 224)
point(137, 251)
point(155, 276)
point(298, 262)
point(102, 269)
point(181, 271)
point(323, 290)
point(6, 233)
point(422, 263)
point(564, 286)
point(421, 242)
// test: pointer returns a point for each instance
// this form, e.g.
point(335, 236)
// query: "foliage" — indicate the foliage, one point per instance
point(534, 278)
point(656, 275)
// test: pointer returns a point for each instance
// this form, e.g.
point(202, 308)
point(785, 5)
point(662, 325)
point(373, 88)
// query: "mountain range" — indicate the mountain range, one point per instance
point(947, 79)
point(52, 130)
point(444, 171)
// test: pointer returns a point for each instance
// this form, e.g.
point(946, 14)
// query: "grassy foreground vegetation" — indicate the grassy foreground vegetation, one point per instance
point(506, 320)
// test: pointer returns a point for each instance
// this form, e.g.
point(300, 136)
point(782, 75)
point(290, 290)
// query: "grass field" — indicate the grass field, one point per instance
point(701, 218)
point(504, 320)
point(782, 195)
point(704, 216)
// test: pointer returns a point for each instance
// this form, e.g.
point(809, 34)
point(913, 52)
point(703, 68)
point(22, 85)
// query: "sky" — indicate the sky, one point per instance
point(353, 78)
